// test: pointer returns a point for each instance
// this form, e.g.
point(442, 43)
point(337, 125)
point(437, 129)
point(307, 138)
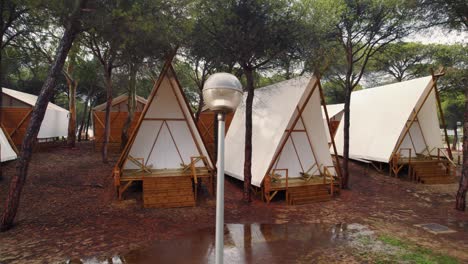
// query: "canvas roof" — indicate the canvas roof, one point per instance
point(55, 122)
point(119, 99)
point(166, 136)
point(7, 150)
point(379, 115)
point(29, 99)
point(274, 109)
point(333, 110)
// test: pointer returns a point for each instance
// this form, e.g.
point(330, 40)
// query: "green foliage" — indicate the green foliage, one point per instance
point(411, 253)
point(252, 33)
point(402, 60)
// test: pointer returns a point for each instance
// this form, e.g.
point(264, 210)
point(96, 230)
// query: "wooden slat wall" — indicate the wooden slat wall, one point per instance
point(205, 125)
point(117, 123)
point(334, 126)
point(11, 117)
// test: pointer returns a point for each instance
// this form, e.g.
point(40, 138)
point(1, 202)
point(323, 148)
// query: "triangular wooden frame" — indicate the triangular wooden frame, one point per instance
point(167, 70)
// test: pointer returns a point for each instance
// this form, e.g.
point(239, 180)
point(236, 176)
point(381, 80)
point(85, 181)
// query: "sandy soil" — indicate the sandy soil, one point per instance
point(68, 210)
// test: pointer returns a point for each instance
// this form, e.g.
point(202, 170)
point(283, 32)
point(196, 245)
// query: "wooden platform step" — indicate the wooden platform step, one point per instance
point(308, 194)
point(166, 192)
point(434, 172)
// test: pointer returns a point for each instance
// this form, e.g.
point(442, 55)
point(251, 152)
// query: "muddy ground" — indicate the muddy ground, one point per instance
point(69, 212)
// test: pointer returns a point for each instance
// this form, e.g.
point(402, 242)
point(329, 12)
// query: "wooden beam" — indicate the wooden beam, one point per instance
point(441, 112)
point(332, 137)
point(21, 123)
point(163, 119)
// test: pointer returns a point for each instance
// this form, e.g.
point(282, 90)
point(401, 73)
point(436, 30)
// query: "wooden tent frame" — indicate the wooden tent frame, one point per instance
point(394, 167)
point(269, 194)
point(168, 71)
point(12, 144)
point(97, 120)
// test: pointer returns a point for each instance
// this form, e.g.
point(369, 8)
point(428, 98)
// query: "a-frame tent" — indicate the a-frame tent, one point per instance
point(398, 120)
point(16, 111)
point(288, 137)
point(7, 147)
point(165, 150)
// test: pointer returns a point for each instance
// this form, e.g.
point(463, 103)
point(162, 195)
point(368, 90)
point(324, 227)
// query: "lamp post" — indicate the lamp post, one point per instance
point(222, 93)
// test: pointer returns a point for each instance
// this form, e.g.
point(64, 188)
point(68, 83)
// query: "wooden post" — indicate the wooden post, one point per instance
point(441, 112)
point(322, 98)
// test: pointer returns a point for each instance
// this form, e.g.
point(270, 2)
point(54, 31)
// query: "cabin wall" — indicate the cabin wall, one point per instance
point(118, 120)
point(15, 121)
point(206, 127)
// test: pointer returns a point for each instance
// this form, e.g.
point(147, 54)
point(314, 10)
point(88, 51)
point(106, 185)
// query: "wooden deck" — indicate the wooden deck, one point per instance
point(167, 187)
point(428, 170)
point(297, 182)
point(138, 175)
point(300, 191)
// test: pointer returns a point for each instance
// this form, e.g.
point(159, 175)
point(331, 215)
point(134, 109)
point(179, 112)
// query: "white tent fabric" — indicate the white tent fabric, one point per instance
point(168, 135)
point(335, 111)
point(7, 151)
point(55, 123)
point(274, 110)
point(379, 115)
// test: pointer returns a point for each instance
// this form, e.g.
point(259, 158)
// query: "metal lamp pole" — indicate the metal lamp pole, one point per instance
point(222, 93)
point(219, 243)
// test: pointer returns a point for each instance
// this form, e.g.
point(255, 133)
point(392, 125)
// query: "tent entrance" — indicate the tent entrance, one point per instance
point(419, 140)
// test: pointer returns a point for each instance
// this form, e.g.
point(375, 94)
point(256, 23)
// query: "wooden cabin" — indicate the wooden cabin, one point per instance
point(290, 152)
point(206, 125)
point(16, 111)
point(166, 152)
point(119, 115)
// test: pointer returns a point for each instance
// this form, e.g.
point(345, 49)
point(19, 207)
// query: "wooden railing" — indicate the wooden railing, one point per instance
point(286, 175)
point(327, 173)
point(451, 170)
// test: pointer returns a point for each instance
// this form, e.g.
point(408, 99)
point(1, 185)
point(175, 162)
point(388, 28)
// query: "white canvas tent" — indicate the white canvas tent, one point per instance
point(335, 114)
point(166, 136)
point(55, 122)
point(8, 151)
point(288, 131)
point(380, 117)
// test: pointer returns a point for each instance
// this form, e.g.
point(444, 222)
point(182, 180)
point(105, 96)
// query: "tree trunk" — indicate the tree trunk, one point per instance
point(22, 165)
point(1, 104)
point(72, 84)
point(200, 107)
point(463, 186)
point(345, 179)
point(455, 137)
point(248, 134)
point(108, 81)
point(131, 105)
point(83, 119)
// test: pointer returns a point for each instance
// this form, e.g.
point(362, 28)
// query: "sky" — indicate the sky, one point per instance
point(439, 36)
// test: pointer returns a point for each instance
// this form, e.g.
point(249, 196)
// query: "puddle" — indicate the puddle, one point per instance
point(243, 243)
